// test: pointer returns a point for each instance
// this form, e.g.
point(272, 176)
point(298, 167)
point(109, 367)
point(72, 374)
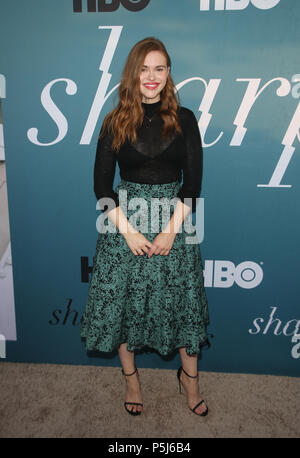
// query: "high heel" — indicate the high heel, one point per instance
point(199, 403)
point(132, 403)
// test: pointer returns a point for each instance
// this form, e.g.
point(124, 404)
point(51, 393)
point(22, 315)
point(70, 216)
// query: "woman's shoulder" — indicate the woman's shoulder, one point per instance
point(184, 110)
point(185, 113)
point(186, 116)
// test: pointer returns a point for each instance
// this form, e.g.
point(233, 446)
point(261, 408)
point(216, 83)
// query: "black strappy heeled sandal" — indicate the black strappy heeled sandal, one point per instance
point(199, 403)
point(132, 403)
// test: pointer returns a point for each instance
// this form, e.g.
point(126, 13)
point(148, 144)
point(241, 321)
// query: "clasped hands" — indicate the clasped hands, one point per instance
point(140, 245)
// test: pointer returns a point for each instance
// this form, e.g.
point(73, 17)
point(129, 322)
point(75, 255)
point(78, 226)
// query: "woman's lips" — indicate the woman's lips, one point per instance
point(151, 86)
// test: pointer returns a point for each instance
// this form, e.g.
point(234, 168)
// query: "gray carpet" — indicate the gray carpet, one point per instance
point(68, 401)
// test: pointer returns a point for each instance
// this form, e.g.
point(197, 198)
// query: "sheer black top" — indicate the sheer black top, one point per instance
point(153, 159)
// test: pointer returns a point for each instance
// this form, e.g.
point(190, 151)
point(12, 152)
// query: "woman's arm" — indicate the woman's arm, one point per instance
point(104, 173)
point(193, 161)
point(137, 242)
point(180, 213)
point(192, 173)
point(117, 216)
point(104, 169)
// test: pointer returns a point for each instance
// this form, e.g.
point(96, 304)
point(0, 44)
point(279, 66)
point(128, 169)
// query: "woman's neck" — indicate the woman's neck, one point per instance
point(150, 101)
point(151, 107)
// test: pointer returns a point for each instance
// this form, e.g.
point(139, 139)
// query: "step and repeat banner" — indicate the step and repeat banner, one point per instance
point(235, 63)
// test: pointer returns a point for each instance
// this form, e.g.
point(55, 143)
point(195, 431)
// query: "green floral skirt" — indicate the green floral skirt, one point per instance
point(152, 304)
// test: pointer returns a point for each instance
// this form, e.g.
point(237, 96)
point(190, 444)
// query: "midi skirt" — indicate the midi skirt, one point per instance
point(152, 304)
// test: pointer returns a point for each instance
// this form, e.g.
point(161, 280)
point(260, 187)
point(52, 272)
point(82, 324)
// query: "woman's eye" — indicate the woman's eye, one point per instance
point(158, 69)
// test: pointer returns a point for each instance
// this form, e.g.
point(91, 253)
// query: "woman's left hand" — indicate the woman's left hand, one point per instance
point(162, 244)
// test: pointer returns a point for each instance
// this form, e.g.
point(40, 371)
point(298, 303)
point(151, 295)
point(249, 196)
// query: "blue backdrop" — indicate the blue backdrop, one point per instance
point(235, 65)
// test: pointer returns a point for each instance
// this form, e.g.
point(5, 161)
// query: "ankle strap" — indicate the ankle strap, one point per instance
point(192, 376)
point(127, 375)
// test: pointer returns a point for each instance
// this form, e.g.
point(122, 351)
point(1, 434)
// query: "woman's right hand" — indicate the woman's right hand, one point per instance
point(137, 242)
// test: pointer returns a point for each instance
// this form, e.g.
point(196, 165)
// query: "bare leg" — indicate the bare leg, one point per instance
point(133, 393)
point(189, 364)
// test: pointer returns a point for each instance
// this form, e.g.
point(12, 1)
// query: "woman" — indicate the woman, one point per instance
point(147, 289)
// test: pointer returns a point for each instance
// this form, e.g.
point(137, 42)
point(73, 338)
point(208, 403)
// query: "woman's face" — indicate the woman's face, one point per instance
point(153, 76)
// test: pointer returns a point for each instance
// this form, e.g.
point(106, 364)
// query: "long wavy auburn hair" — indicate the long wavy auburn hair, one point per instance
point(123, 121)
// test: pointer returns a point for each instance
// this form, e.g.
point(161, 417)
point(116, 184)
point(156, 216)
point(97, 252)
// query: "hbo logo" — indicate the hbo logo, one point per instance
point(108, 6)
point(223, 274)
point(237, 4)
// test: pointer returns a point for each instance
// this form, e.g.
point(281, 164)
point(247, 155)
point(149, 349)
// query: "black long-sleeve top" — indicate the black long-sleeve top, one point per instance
point(153, 159)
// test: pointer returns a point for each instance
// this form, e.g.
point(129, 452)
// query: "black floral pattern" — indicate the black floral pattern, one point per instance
point(156, 303)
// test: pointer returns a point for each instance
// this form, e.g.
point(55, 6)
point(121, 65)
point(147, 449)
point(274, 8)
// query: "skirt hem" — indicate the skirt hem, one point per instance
point(148, 348)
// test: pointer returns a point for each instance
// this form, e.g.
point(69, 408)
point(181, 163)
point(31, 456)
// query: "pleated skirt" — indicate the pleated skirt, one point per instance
point(151, 304)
